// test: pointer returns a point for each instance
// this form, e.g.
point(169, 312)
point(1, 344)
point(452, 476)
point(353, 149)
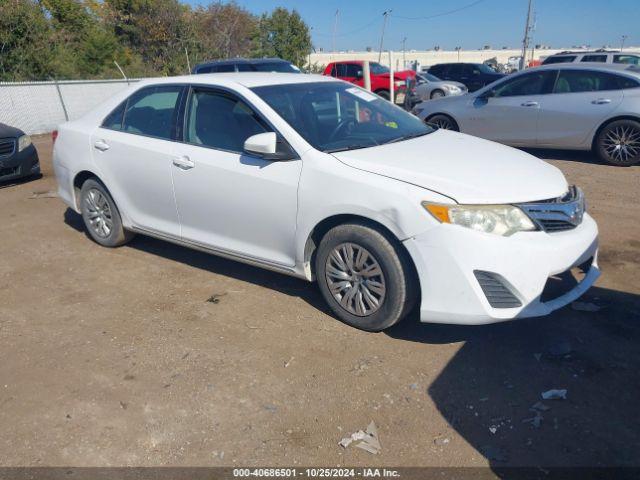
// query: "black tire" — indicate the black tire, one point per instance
point(445, 122)
point(107, 212)
point(437, 94)
point(627, 131)
point(384, 94)
point(399, 279)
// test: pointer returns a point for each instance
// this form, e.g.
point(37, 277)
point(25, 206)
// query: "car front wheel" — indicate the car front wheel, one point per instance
point(101, 216)
point(619, 143)
point(437, 94)
point(364, 277)
point(445, 122)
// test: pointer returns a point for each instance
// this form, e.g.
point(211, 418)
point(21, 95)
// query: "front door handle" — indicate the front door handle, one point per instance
point(101, 145)
point(601, 101)
point(530, 104)
point(183, 162)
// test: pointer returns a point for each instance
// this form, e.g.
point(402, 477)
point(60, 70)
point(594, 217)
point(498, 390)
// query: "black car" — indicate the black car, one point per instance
point(473, 75)
point(247, 65)
point(18, 156)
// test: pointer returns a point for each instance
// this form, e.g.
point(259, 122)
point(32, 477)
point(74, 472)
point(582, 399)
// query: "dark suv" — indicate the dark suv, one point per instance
point(473, 75)
point(247, 65)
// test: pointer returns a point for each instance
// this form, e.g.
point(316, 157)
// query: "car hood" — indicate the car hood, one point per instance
point(7, 131)
point(464, 168)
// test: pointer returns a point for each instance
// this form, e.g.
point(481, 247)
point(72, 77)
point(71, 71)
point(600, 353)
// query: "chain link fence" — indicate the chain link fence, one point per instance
point(39, 107)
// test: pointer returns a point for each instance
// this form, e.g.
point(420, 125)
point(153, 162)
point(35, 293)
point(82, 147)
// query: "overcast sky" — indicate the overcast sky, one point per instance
point(559, 23)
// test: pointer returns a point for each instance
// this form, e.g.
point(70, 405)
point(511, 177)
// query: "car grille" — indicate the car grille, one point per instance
point(497, 293)
point(558, 214)
point(7, 147)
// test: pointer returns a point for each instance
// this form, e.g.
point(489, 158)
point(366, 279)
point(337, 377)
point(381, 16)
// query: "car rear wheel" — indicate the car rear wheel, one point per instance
point(101, 216)
point(437, 94)
point(365, 278)
point(444, 122)
point(384, 94)
point(619, 143)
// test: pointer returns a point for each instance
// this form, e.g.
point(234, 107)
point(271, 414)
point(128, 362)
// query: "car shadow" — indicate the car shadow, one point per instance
point(488, 390)
point(20, 181)
point(567, 155)
point(286, 284)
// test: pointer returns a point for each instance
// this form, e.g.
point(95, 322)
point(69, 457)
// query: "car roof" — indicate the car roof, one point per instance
point(591, 52)
point(246, 79)
point(242, 61)
point(611, 67)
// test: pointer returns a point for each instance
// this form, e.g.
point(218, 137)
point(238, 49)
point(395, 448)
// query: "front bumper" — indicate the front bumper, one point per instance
point(19, 165)
point(447, 256)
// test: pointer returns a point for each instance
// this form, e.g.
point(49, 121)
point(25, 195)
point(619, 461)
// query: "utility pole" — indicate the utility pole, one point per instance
point(404, 49)
point(525, 41)
point(624, 39)
point(335, 30)
point(385, 14)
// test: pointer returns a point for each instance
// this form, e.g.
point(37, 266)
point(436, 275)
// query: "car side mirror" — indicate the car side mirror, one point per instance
point(268, 146)
point(487, 94)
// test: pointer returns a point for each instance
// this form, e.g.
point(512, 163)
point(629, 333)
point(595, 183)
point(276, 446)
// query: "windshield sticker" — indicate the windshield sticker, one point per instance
point(362, 94)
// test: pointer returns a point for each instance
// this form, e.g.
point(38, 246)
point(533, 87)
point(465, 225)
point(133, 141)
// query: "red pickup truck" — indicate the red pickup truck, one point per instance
point(351, 71)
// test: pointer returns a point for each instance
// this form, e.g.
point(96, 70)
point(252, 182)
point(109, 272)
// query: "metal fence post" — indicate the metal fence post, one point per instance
point(64, 108)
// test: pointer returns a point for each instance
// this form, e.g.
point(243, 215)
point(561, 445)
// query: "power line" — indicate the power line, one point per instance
point(442, 14)
point(351, 32)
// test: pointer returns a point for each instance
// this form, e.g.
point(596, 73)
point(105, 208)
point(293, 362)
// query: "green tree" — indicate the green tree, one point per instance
point(285, 35)
point(25, 52)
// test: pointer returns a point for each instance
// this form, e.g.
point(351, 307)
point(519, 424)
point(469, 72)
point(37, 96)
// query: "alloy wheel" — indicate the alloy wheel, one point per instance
point(622, 143)
point(442, 122)
point(355, 279)
point(98, 213)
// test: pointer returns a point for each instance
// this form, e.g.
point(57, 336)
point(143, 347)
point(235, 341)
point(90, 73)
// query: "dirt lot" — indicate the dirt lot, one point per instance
point(115, 357)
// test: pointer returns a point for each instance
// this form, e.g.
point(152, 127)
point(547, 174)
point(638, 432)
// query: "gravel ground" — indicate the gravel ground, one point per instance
point(115, 357)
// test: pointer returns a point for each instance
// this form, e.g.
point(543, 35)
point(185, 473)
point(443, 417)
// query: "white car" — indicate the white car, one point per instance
point(316, 178)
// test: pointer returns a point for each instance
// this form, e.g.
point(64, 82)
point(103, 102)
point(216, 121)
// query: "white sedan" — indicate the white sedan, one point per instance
point(316, 178)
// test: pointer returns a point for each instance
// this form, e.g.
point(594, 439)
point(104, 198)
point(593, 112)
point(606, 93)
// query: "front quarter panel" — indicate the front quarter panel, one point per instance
point(329, 187)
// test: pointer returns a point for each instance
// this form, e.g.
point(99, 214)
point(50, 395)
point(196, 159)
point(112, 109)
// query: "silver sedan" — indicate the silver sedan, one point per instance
point(430, 87)
point(565, 106)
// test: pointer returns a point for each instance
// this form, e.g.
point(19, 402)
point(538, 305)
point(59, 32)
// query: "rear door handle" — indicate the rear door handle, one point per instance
point(184, 162)
point(601, 101)
point(530, 104)
point(101, 145)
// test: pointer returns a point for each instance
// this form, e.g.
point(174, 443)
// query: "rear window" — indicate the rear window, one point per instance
point(559, 59)
point(627, 59)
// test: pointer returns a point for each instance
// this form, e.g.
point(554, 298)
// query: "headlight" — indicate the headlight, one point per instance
point(452, 88)
point(502, 220)
point(23, 142)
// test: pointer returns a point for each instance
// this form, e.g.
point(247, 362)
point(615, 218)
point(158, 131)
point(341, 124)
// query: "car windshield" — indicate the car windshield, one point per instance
point(336, 116)
point(378, 69)
point(280, 67)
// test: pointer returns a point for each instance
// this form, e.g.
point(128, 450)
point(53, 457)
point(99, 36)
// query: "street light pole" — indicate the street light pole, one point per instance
point(525, 41)
point(335, 29)
point(384, 26)
point(624, 39)
point(404, 49)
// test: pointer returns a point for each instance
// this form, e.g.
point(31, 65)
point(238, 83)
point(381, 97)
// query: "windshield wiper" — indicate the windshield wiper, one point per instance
point(406, 137)
point(348, 147)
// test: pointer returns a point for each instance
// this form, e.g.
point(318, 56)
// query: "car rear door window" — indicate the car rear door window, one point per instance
point(352, 70)
point(627, 59)
point(594, 58)
point(626, 83)
point(152, 111)
point(577, 81)
point(559, 59)
point(220, 120)
point(534, 83)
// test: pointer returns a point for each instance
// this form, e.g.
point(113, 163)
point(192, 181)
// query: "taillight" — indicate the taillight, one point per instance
point(54, 135)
